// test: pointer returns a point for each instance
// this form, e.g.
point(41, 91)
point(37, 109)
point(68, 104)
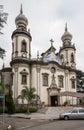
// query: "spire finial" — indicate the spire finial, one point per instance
point(51, 42)
point(37, 54)
point(66, 27)
point(21, 11)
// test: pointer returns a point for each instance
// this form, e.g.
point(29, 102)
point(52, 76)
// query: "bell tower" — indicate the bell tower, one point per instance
point(67, 51)
point(21, 38)
point(21, 54)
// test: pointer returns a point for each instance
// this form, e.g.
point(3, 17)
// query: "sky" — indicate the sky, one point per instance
point(46, 20)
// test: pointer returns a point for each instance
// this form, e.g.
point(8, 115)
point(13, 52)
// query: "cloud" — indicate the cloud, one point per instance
point(68, 9)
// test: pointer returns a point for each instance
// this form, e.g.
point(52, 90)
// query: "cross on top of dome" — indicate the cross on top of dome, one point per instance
point(51, 40)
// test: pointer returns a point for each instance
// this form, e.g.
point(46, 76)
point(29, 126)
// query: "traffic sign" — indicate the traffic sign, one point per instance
point(2, 95)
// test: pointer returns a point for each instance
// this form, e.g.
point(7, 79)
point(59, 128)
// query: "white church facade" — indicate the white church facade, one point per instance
point(53, 74)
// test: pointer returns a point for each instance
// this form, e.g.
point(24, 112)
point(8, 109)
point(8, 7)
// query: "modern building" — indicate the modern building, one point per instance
point(53, 74)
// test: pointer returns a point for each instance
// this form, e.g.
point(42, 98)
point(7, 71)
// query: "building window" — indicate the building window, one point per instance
point(24, 46)
point(62, 58)
point(60, 78)
point(45, 79)
point(72, 58)
point(12, 47)
point(24, 79)
point(53, 70)
point(73, 83)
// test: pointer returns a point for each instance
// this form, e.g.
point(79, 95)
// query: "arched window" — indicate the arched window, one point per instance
point(45, 79)
point(24, 74)
point(73, 84)
point(60, 80)
point(24, 79)
point(72, 58)
point(62, 58)
point(12, 47)
point(24, 46)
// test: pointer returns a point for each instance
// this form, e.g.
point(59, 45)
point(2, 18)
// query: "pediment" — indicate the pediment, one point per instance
point(24, 71)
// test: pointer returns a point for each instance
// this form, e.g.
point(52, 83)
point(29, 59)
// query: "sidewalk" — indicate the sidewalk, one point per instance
point(52, 113)
point(36, 116)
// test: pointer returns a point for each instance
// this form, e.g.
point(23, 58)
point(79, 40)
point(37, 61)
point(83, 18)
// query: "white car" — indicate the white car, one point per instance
point(75, 113)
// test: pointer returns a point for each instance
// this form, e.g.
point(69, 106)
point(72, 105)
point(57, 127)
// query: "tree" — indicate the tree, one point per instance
point(3, 18)
point(1, 92)
point(80, 81)
point(2, 53)
point(1, 89)
point(29, 95)
point(22, 96)
point(9, 102)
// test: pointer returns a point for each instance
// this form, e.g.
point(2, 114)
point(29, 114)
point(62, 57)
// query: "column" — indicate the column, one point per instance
point(16, 82)
point(38, 80)
point(66, 83)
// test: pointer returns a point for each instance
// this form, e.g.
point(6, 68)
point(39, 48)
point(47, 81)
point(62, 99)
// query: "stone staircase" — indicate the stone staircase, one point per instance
point(53, 110)
point(43, 110)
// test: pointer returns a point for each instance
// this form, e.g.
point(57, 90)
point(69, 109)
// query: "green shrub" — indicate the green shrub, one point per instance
point(21, 110)
point(24, 110)
point(32, 109)
point(65, 103)
point(1, 110)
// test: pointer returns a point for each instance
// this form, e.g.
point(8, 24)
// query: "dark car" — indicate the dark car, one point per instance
point(75, 113)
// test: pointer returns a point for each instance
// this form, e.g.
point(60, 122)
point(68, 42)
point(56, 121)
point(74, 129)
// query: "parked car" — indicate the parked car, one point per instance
point(75, 113)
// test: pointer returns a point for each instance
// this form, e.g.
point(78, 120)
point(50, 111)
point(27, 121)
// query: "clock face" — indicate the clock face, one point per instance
point(24, 55)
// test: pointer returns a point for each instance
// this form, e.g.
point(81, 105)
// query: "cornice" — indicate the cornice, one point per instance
point(32, 62)
point(67, 47)
point(7, 69)
point(19, 31)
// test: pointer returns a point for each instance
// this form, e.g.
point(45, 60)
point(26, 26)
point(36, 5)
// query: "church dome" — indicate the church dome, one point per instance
point(21, 20)
point(66, 35)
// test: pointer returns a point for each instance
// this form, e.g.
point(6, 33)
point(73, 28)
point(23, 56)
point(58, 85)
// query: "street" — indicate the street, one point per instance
point(27, 124)
point(60, 125)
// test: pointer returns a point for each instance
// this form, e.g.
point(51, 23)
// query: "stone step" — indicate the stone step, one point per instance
point(53, 110)
point(57, 110)
point(43, 110)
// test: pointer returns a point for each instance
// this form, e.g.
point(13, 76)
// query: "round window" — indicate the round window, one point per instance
point(53, 70)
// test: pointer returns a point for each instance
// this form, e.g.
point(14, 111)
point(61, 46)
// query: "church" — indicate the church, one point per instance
point(53, 74)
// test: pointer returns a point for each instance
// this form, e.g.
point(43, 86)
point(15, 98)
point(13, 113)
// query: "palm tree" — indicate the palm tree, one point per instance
point(29, 95)
point(22, 96)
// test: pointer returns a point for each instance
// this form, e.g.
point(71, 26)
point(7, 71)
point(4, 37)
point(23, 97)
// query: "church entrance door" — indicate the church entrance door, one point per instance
point(54, 100)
